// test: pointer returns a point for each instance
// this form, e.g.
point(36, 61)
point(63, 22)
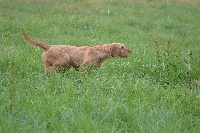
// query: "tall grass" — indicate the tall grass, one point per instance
point(172, 65)
point(156, 89)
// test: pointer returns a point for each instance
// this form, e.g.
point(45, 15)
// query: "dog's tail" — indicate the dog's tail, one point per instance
point(35, 42)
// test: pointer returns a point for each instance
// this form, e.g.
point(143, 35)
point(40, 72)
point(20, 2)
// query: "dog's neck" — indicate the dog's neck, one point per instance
point(104, 48)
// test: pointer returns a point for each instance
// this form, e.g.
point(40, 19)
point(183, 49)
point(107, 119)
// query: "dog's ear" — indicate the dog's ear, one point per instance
point(113, 50)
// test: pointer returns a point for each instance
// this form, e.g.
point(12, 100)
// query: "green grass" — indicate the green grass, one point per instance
point(156, 89)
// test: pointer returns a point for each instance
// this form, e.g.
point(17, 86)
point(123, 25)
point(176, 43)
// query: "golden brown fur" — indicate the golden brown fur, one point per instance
point(80, 58)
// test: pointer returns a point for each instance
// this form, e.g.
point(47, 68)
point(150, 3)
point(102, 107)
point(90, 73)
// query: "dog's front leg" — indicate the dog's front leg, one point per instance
point(84, 65)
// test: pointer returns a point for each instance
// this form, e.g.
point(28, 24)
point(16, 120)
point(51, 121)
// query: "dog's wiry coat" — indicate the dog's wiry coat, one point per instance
point(80, 58)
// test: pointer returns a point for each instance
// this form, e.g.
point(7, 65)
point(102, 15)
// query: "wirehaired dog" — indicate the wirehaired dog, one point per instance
point(80, 58)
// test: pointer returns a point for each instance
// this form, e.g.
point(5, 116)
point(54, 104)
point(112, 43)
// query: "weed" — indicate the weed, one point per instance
point(171, 65)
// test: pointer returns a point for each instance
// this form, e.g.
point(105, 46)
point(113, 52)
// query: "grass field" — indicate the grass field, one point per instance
point(156, 89)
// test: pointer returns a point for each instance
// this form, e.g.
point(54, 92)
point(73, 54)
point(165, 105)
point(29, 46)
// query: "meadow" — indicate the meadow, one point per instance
point(156, 89)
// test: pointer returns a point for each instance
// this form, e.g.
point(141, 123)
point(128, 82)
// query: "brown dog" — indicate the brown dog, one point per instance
point(80, 58)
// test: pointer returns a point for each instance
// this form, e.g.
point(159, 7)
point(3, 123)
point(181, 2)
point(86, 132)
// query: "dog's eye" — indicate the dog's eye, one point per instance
point(122, 46)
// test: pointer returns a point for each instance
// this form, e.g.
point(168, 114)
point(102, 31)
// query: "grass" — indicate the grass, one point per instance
point(156, 89)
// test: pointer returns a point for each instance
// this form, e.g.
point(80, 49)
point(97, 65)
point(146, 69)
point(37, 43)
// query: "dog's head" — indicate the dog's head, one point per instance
point(119, 50)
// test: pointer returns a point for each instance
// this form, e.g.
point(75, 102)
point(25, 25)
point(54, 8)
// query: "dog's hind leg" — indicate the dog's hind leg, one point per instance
point(52, 68)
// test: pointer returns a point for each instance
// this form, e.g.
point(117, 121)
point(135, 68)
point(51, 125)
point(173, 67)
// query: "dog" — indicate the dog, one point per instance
point(80, 58)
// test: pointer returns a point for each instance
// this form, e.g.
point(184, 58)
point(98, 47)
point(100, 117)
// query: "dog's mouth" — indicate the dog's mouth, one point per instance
point(125, 54)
